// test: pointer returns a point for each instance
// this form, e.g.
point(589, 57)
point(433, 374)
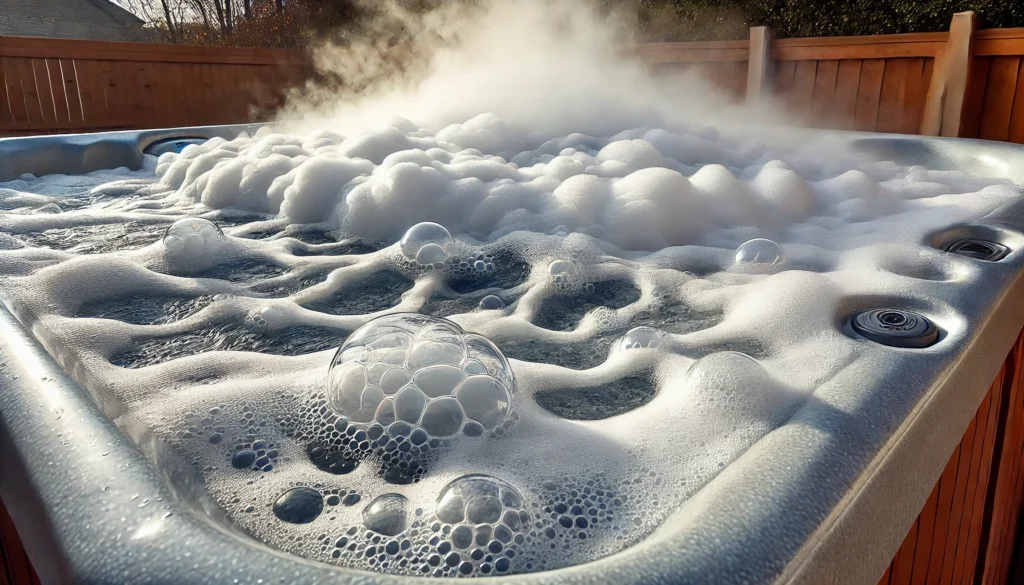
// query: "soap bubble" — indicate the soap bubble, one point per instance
point(491, 303)
point(441, 378)
point(300, 505)
point(641, 338)
point(563, 272)
point(427, 243)
point(917, 174)
point(760, 251)
point(271, 317)
point(193, 237)
point(387, 514)
point(485, 520)
point(480, 499)
point(732, 381)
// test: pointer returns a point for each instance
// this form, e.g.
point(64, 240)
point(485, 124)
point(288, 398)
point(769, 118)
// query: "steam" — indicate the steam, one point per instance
point(557, 67)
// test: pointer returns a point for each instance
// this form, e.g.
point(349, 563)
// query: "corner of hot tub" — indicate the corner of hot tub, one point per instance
point(84, 153)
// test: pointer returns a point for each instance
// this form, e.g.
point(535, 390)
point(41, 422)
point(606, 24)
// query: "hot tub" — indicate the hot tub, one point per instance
point(854, 482)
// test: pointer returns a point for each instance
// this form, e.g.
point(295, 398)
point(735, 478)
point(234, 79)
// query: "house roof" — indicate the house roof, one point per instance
point(70, 19)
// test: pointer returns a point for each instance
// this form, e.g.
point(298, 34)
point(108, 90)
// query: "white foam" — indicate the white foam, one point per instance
point(626, 252)
point(639, 226)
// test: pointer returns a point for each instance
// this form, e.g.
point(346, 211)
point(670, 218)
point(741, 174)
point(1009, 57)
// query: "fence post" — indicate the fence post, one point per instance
point(944, 104)
point(758, 72)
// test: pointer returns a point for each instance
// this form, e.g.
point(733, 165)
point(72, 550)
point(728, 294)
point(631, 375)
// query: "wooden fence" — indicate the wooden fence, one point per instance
point(963, 82)
point(958, 83)
point(57, 85)
point(967, 531)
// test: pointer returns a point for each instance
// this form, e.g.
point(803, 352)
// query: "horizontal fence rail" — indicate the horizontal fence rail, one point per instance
point(58, 85)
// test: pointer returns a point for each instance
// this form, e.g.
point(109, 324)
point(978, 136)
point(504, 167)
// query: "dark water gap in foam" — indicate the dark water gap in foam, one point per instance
point(287, 287)
point(96, 239)
point(598, 402)
point(588, 353)
point(509, 271)
point(442, 307)
point(329, 247)
point(563, 312)
point(139, 310)
point(381, 290)
point(244, 272)
point(296, 340)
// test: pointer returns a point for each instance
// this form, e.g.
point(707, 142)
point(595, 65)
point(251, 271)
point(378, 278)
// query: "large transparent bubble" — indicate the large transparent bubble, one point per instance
point(427, 243)
point(760, 251)
point(641, 338)
point(422, 375)
point(193, 237)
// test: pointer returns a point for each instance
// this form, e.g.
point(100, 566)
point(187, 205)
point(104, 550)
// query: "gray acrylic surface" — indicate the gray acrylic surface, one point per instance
point(827, 497)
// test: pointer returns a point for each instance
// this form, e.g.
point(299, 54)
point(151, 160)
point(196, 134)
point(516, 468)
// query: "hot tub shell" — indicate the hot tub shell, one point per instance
point(838, 494)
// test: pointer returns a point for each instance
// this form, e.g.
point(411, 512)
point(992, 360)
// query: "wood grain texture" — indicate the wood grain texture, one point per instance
point(824, 90)
point(999, 97)
point(5, 106)
point(15, 568)
point(893, 92)
point(758, 64)
point(919, 72)
point(966, 530)
point(1016, 132)
point(959, 55)
point(58, 90)
point(996, 42)
point(41, 77)
point(844, 105)
point(975, 98)
point(869, 94)
point(56, 85)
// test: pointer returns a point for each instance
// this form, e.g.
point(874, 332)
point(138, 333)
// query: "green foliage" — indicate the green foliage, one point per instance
point(722, 19)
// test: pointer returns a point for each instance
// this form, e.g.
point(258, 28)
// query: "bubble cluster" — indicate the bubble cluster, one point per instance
point(576, 511)
point(422, 372)
point(427, 244)
point(474, 266)
point(484, 523)
point(403, 386)
point(257, 454)
point(193, 238)
point(565, 274)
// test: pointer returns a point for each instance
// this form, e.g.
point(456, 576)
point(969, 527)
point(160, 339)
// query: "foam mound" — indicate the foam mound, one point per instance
point(434, 351)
